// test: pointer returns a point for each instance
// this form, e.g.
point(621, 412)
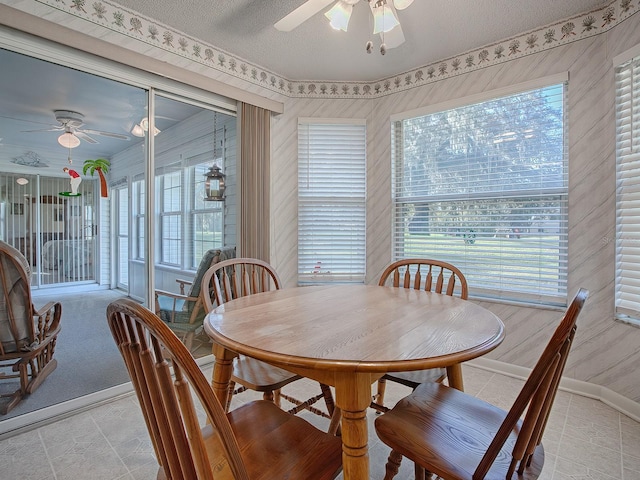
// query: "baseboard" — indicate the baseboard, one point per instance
point(619, 402)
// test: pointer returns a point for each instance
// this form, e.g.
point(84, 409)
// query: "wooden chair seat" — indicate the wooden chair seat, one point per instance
point(453, 431)
point(193, 437)
point(459, 437)
point(260, 376)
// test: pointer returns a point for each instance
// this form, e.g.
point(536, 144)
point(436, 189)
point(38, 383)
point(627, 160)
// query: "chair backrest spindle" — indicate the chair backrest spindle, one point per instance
point(440, 277)
point(237, 277)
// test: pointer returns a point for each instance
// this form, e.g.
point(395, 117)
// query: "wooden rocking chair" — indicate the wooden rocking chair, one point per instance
point(27, 336)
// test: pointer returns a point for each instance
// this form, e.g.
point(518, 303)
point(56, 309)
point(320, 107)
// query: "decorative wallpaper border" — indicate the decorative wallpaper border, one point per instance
point(131, 24)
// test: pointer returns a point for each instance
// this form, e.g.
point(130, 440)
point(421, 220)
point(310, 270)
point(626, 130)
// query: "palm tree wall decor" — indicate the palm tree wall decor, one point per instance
point(100, 165)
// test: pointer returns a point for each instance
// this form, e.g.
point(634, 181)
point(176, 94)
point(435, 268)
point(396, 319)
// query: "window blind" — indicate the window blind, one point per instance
point(628, 190)
point(331, 202)
point(484, 187)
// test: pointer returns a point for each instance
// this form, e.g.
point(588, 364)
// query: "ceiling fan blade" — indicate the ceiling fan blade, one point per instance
point(119, 136)
point(52, 129)
point(393, 38)
point(85, 137)
point(301, 14)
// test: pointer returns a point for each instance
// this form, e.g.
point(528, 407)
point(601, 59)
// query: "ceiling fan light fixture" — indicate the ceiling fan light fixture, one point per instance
point(339, 15)
point(384, 19)
point(137, 130)
point(141, 128)
point(68, 140)
point(402, 4)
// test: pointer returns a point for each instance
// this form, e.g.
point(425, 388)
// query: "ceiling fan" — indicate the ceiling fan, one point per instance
point(385, 20)
point(71, 123)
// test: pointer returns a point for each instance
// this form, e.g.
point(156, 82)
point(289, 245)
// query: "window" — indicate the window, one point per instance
point(331, 201)
point(484, 187)
point(205, 217)
point(138, 209)
point(122, 236)
point(628, 191)
point(170, 191)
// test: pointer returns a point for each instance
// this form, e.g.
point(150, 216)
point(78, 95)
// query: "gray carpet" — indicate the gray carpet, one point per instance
point(88, 359)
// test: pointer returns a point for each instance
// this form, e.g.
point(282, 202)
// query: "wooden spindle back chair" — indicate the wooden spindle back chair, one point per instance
point(457, 436)
point(431, 276)
point(255, 441)
point(239, 277)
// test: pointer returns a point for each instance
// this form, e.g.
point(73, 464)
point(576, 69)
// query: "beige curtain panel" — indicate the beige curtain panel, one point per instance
point(255, 158)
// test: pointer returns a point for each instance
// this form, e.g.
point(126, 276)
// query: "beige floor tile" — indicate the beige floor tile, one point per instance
point(585, 439)
point(501, 391)
point(24, 456)
point(631, 465)
point(597, 434)
point(631, 438)
point(592, 457)
point(593, 411)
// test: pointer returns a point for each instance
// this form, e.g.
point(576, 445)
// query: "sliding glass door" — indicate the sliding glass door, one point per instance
point(102, 190)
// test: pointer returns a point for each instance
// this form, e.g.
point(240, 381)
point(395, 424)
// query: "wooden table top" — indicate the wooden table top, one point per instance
point(357, 328)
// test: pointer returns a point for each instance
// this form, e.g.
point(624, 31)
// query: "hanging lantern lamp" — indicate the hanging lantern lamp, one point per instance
point(214, 184)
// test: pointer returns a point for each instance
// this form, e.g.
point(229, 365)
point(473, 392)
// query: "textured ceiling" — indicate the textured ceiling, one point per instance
point(434, 30)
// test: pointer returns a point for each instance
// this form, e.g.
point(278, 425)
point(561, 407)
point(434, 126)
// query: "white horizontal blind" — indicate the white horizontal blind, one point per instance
point(331, 202)
point(484, 186)
point(628, 190)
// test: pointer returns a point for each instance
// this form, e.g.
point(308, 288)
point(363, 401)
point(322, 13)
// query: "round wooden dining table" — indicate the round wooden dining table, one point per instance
point(348, 336)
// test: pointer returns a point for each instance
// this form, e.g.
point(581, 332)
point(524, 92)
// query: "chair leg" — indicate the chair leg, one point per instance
point(328, 398)
point(335, 413)
point(188, 340)
point(276, 397)
point(334, 424)
point(378, 399)
point(421, 473)
point(393, 465)
point(232, 386)
point(268, 395)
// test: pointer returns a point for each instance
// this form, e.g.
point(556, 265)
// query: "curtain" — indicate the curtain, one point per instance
point(254, 175)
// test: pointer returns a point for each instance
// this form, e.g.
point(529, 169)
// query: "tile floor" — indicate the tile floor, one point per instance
point(585, 439)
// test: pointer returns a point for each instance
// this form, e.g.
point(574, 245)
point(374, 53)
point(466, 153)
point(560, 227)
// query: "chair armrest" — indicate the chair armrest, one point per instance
point(175, 296)
point(182, 282)
point(48, 321)
point(164, 293)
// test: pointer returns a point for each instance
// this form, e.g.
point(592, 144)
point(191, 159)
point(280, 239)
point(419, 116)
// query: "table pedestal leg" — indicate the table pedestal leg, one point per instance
point(353, 396)
point(222, 370)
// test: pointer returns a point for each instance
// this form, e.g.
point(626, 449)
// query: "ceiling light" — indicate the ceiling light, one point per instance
point(384, 19)
point(137, 130)
point(22, 181)
point(340, 14)
point(68, 140)
point(402, 4)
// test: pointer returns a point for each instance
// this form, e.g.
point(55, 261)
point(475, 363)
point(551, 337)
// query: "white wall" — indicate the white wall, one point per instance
point(606, 352)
